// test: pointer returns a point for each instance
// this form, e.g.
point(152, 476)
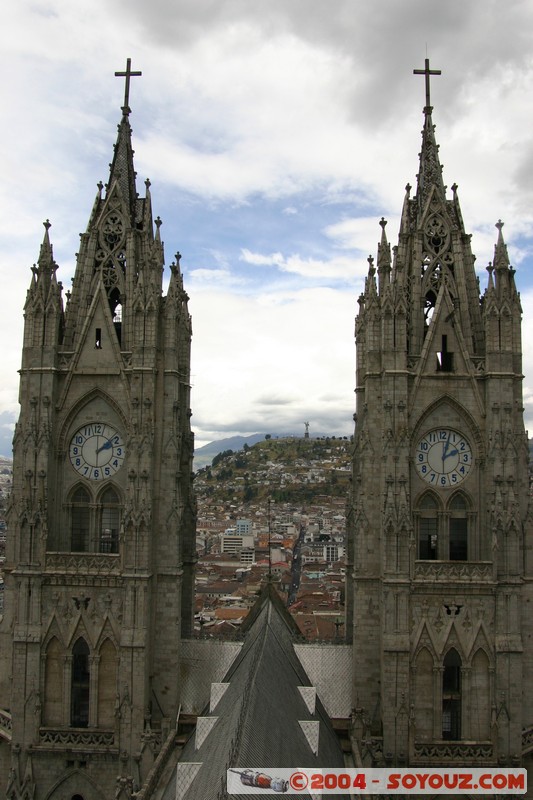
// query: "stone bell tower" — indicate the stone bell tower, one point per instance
point(440, 527)
point(101, 525)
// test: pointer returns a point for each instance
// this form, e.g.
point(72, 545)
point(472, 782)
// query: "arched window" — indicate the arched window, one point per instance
point(427, 528)
point(80, 681)
point(451, 696)
point(109, 512)
point(443, 533)
point(80, 521)
point(94, 522)
point(458, 528)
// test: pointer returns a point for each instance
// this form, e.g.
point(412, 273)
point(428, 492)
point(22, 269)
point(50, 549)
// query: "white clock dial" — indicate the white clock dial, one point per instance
point(96, 451)
point(443, 458)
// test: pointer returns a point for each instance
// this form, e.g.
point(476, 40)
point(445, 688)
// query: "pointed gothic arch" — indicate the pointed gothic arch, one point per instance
point(80, 519)
point(82, 408)
point(452, 695)
point(458, 508)
point(108, 514)
point(80, 680)
point(75, 783)
point(428, 510)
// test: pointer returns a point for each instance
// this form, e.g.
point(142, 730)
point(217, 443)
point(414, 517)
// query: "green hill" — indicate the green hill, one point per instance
point(288, 469)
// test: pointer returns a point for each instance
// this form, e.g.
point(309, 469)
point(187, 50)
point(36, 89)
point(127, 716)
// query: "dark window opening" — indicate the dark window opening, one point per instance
point(444, 358)
point(451, 696)
point(79, 715)
point(98, 339)
point(116, 310)
point(80, 522)
point(428, 539)
point(429, 308)
point(458, 529)
point(428, 528)
point(110, 515)
point(458, 539)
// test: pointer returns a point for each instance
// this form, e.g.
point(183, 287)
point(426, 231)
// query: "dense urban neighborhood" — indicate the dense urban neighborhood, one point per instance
point(273, 511)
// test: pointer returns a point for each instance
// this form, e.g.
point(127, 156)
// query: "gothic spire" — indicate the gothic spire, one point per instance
point(121, 168)
point(430, 173)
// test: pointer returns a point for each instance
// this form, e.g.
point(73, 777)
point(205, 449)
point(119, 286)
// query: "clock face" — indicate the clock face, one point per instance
point(96, 451)
point(443, 458)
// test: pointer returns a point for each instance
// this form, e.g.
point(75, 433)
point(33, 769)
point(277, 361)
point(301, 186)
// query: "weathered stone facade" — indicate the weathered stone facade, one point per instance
point(440, 525)
point(99, 570)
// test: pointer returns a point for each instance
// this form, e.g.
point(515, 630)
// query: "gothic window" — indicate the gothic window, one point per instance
point(444, 357)
point(79, 691)
point(53, 684)
point(109, 513)
point(80, 521)
point(428, 528)
point(458, 528)
point(116, 310)
point(451, 696)
point(443, 533)
point(429, 308)
point(94, 525)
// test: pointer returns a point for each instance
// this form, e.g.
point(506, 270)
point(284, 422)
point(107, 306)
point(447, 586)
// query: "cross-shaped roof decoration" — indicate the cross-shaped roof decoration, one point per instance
point(427, 72)
point(127, 74)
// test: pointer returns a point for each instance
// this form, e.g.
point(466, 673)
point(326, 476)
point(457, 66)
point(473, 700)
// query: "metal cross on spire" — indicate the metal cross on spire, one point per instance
point(127, 74)
point(427, 72)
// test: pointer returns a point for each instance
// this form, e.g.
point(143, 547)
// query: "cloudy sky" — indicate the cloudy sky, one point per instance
point(276, 135)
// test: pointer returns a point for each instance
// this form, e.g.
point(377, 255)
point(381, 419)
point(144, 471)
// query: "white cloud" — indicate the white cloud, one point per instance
point(292, 101)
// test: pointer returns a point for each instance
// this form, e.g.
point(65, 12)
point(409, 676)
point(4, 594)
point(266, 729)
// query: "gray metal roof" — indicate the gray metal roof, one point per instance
point(256, 722)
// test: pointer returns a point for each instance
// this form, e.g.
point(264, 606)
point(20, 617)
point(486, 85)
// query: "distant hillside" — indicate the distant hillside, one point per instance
point(203, 456)
point(285, 469)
